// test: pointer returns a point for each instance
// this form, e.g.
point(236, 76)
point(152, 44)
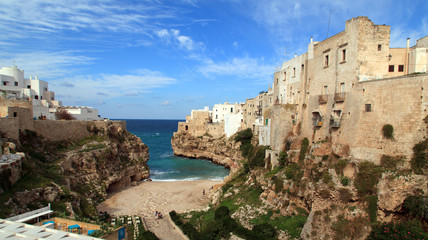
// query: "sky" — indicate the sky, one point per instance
point(159, 59)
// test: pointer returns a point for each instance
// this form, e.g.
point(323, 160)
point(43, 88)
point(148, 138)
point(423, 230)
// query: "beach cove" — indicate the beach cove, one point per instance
point(147, 197)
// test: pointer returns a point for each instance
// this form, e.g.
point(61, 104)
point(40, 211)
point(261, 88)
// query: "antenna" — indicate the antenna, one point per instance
point(328, 26)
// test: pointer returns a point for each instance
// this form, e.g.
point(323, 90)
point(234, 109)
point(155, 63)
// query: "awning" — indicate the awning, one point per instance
point(317, 111)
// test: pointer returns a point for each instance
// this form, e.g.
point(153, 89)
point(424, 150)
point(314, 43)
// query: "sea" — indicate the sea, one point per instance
point(164, 166)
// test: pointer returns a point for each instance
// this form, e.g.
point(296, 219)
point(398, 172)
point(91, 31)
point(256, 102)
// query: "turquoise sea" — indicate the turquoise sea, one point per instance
point(164, 166)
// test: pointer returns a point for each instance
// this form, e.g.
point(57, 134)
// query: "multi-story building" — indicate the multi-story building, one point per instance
point(14, 86)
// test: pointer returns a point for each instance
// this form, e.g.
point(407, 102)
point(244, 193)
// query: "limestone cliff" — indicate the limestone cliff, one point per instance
point(223, 151)
point(76, 175)
point(317, 191)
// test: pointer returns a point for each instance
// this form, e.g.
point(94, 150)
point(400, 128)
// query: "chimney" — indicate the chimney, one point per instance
point(408, 42)
point(312, 39)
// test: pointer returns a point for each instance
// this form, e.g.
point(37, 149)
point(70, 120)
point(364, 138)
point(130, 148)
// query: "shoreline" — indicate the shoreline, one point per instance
point(148, 197)
point(165, 196)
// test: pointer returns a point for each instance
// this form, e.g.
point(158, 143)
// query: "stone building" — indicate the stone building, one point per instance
point(14, 86)
point(347, 87)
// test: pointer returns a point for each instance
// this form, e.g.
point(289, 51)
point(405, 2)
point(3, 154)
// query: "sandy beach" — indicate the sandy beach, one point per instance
point(148, 197)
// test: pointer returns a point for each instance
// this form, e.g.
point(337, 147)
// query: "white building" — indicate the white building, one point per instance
point(232, 115)
point(14, 86)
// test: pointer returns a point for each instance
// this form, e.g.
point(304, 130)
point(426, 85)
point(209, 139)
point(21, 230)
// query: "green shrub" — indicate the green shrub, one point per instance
point(367, 178)
point(390, 162)
point(327, 178)
point(294, 172)
point(417, 206)
point(282, 159)
point(244, 135)
point(175, 218)
point(344, 181)
point(388, 131)
point(258, 158)
point(419, 162)
point(389, 231)
point(372, 208)
point(340, 166)
point(303, 149)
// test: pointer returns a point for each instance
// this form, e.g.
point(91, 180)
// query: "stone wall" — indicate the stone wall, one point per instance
point(56, 130)
point(10, 128)
point(400, 101)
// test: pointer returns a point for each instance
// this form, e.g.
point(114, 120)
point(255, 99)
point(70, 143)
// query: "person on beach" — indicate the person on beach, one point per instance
point(156, 215)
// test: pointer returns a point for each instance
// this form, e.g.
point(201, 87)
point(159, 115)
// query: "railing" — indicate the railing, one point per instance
point(322, 99)
point(335, 123)
point(317, 121)
point(339, 97)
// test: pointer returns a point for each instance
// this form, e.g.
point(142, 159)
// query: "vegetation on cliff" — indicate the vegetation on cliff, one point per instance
point(313, 193)
point(73, 176)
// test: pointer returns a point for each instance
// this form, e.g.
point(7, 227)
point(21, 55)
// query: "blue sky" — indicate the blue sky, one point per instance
point(159, 59)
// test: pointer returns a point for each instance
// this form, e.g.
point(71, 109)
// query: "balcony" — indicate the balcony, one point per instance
point(339, 97)
point(322, 99)
point(317, 121)
point(335, 123)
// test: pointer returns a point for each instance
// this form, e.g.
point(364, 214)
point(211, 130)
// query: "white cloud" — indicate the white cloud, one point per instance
point(165, 103)
point(244, 67)
point(107, 86)
point(45, 64)
point(174, 36)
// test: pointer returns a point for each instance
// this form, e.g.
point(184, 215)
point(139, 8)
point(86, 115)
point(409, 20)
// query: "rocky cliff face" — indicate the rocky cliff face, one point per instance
point(222, 151)
point(318, 191)
point(76, 175)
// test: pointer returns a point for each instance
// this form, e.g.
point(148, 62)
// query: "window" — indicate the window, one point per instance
point(326, 61)
point(4, 83)
point(36, 96)
point(342, 87)
point(187, 127)
point(216, 116)
point(379, 47)
point(15, 114)
point(391, 68)
point(16, 83)
point(325, 90)
point(344, 55)
point(303, 68)
point(28, 86)
point(277, 81)
point(401, 68)
point(294, 72)
point(231, 110)
point(368, 107)
point(45, 88)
